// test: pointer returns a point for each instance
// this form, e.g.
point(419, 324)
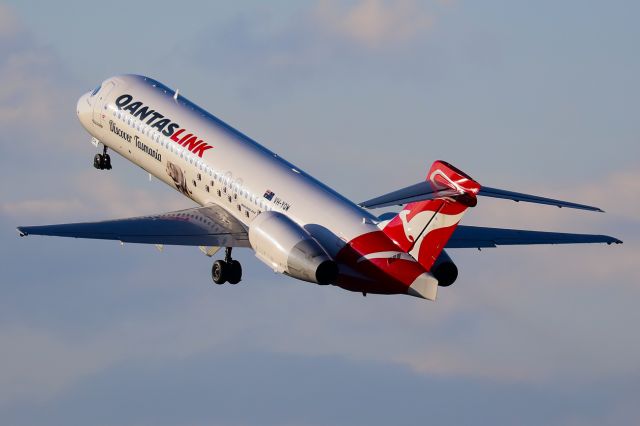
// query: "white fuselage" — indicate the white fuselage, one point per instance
point(224, 167)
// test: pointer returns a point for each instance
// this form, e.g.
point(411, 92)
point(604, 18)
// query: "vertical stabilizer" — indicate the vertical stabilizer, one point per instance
point(423, 228)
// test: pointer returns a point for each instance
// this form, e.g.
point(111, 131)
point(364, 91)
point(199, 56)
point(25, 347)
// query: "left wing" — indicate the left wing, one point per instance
point(209, 225)
point(480, 237)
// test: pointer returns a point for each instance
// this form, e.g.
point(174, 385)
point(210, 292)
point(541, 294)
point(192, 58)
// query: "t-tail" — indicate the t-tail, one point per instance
point(423, 228)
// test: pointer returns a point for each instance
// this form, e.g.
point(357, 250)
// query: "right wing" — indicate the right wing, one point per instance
point(481, 237)
point(209, 225)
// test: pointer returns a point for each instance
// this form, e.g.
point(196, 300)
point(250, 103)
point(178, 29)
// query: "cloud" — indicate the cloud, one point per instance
point(36, 88)
point(539, 312)
point(41, 208)
point(373, 23)
point(534, 315)
point(94, 197)
point(616, 193)
point(9, 24)
point(487, 326)
point(329, 39)
point(41, 134)
point(40, 363)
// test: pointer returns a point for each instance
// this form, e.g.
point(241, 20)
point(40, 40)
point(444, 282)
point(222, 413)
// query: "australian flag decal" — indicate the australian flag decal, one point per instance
point(269, 195)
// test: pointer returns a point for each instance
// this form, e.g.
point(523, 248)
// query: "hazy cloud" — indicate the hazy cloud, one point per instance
point(99, 197)
point(538, 335)
point(502, 355)
point(9, 25)
point(261, 52)
point(373, 23)
point(35, 83)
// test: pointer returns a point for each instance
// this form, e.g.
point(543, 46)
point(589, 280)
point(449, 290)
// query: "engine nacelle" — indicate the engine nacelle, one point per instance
point(445, 271)
point(287, 248)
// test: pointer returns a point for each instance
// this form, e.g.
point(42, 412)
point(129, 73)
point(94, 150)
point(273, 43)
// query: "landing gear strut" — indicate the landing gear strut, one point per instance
point(102, 161)
point(226, 270)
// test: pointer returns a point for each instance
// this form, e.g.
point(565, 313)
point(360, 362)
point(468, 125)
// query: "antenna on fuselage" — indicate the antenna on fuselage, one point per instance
point(175, 95)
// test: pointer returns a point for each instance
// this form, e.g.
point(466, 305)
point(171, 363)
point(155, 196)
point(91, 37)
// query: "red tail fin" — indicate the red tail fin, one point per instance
point(423, 228)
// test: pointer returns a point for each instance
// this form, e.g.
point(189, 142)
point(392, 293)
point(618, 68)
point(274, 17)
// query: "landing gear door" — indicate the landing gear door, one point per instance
point(99, 105)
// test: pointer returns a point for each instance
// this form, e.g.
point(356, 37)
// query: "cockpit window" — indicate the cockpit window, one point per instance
point(96, 90)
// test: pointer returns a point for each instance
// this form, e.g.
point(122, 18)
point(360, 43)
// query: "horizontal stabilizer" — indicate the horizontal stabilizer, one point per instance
point(424, 191)
point(517, 196)
point(421, 191)
point(481, 237)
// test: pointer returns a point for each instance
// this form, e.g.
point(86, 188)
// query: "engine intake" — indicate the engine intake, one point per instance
point(287, 248)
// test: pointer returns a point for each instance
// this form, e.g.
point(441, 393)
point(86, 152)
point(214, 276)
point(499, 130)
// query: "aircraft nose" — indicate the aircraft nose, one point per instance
point(83, 109)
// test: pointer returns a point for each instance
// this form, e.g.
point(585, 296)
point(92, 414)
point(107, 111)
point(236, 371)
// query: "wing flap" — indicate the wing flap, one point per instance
point(481, 237)
point(202, 226)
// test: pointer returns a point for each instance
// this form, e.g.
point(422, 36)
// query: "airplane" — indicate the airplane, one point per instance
point(250, 197)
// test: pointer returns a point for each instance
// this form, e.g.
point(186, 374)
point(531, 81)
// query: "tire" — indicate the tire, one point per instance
point(219, 271)
point(97, 161)
point(107, 161)
point(235, 272)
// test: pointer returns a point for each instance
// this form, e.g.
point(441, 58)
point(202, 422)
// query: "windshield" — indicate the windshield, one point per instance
point(96, 90)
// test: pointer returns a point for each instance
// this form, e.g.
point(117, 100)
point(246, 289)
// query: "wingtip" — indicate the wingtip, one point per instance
point(21, 232)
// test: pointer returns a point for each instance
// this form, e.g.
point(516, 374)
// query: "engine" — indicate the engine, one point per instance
point(445, 271)
point(288, 248)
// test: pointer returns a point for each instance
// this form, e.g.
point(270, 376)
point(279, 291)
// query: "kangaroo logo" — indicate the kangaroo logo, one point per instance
point(175, 173)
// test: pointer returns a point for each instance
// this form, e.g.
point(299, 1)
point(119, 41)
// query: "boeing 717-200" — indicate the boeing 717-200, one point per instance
point(250, 197)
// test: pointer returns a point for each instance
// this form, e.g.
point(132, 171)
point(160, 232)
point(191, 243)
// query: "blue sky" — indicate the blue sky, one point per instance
point(364, 95)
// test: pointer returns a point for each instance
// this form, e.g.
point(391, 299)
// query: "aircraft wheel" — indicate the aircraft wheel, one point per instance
point(219, 271)
point(97, 161)
point(235, 272)
point(107, 161)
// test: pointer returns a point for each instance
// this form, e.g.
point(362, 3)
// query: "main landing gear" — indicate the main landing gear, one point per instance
point(226, 270)
point(102, 161)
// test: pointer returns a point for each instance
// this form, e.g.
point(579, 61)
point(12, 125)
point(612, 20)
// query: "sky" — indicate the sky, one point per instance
point(539, 97)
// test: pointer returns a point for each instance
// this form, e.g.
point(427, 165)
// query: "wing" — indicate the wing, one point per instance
point(202, 226)
point(479, 237)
